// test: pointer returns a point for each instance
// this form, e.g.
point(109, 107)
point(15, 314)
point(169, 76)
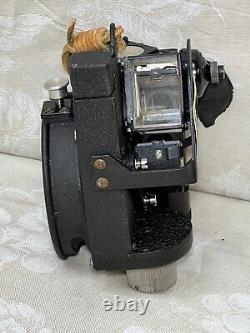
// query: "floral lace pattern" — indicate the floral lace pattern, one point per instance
point(19, 131)
point(31, 39)
point(25, 237)
point(40, 293)
point(20, 31)
point(21, 318)
point(213, 313)
point(28, 241)
point(209, 296)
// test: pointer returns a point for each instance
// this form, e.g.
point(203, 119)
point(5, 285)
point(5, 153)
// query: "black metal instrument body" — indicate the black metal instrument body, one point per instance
point(117, 161)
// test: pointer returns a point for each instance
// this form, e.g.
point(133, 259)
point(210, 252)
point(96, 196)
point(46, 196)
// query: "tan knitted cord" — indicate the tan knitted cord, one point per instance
point(90, 40)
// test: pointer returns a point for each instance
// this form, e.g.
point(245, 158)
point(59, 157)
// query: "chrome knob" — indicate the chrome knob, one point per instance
point(57, 88)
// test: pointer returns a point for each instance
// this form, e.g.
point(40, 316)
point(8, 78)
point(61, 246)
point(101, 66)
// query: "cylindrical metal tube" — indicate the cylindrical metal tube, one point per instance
point(152, 280)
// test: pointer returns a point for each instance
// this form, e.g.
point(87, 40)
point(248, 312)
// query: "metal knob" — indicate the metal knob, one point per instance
point(57, 88)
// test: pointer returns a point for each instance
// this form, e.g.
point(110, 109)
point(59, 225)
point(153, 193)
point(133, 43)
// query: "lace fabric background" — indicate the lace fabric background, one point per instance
point(32, 34)
point(40, 293)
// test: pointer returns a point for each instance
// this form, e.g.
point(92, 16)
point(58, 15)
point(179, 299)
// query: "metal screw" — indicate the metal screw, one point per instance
point(150, 200)
point(159, 154)
point(100, 164)
point(137, 164)
point(102, 182)
point(141, 164)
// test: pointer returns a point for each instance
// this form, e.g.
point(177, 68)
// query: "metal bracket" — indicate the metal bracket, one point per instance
point(120, 177)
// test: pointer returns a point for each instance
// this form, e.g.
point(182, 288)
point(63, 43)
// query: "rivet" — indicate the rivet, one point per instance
point(100, 164)
point(102, 182)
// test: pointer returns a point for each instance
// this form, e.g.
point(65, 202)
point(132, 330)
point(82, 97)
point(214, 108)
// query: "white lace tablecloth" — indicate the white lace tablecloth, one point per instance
point(32, 34)
point(41, 294)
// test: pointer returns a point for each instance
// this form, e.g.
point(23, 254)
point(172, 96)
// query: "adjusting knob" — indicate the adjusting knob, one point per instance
point(57, 89)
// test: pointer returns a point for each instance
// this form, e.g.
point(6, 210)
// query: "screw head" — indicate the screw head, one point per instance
point(102, 182)
point(159, 154)
point(100, 164)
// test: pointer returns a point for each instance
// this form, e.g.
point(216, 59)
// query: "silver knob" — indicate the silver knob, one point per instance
point(57, 88)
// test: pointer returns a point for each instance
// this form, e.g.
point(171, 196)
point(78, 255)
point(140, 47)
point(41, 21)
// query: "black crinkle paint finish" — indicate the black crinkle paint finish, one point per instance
point(160, 228)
